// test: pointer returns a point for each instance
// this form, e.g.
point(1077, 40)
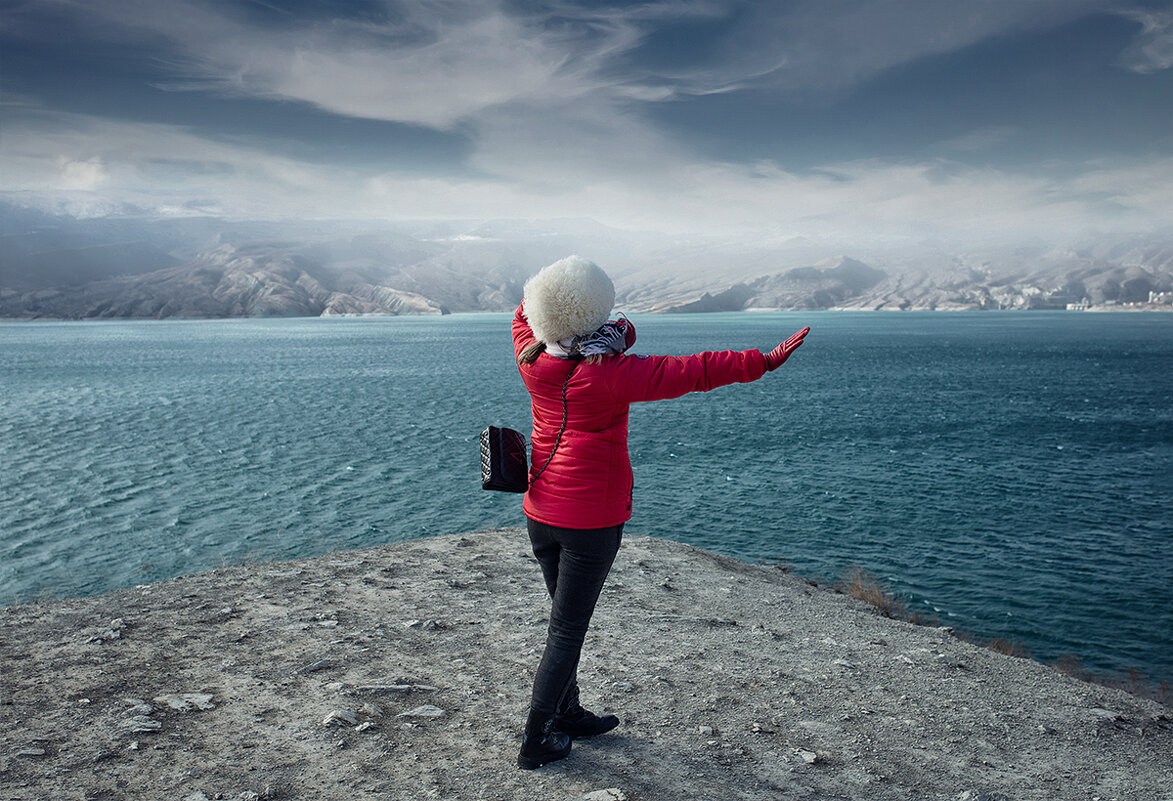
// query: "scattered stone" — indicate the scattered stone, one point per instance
point(138, 707)
point(624, 686)
point(610, 794)
point(412, 624)
point(424, 711)
point(249, 795)
point(1046, 729)
point(336, 686)
point(185, 701)
point(948, 661)
point(432, 625)
point(343, 715)
point(133, 745)
point(382, 689)
point(809, 757)
point(843, 663)
point(321, 664)
point(370, 710)
point(141, 724)
point(30, 751)
point(106, 634)
point(705, 731)
point(364, 726)
point(198, 795)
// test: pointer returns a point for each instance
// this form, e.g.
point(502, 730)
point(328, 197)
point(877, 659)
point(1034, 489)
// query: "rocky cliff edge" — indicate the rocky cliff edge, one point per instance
point(403, 672)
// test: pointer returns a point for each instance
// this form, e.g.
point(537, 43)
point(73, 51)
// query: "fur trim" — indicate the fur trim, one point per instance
point(569, 298)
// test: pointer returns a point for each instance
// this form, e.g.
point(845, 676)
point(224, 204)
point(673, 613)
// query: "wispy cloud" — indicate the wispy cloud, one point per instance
point(168, 168)
point(555, 102)
point(1152, 50)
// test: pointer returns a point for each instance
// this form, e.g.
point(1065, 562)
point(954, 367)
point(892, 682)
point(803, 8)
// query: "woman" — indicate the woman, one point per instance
point(573, 362)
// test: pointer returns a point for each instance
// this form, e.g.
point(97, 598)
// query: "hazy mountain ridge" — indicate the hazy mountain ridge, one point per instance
point(59, 267)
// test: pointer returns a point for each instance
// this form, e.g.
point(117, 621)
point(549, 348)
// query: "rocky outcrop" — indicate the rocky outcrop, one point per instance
point(821, 286)
point(404, 672)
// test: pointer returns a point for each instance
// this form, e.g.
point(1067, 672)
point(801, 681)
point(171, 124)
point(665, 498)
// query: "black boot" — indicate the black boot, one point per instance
point(577, 722)
point(542, 743)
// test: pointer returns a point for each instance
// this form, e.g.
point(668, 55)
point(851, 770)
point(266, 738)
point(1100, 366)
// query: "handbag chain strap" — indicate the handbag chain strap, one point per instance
point(558, 441)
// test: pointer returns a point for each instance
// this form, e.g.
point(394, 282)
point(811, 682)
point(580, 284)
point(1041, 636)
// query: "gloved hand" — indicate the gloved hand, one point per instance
point(778, 356)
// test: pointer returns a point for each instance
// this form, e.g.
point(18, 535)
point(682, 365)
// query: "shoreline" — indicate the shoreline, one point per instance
point(402, 671)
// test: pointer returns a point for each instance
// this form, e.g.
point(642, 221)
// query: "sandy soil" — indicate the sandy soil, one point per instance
point(403, 672)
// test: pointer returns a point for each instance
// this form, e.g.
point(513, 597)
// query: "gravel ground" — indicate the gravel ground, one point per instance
point(403, 672)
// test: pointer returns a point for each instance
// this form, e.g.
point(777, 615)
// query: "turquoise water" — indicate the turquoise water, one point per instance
point(1010, 472)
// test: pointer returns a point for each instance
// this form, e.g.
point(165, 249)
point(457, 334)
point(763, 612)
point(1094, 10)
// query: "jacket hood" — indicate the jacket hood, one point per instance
point(568, 298)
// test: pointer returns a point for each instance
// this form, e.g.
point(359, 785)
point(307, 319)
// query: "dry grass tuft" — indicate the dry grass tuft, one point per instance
point(1008, 647)
point(1132, 681)
point(862, 586)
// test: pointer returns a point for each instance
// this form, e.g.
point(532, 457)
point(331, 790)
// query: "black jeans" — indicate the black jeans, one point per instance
point(575, 563)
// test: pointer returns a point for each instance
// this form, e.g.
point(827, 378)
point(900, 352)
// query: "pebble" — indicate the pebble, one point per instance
point(609, 794)
point(370, 710)
point(379, 689)
point(809, 757)
point(185, 701)
point(344, 715)
point(424, 711)
point(139, 707)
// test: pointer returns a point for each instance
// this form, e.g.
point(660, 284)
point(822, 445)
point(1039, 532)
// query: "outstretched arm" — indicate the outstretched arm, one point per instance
point(778, 356)
point(647, 378)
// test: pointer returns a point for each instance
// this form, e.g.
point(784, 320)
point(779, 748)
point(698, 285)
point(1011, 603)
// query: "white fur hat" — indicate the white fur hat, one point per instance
point(570, 297)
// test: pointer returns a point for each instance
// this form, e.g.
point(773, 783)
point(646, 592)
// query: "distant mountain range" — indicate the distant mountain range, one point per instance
point(54, 267)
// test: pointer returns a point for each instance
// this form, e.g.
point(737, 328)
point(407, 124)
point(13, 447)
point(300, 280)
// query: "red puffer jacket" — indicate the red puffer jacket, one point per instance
point(588, 483)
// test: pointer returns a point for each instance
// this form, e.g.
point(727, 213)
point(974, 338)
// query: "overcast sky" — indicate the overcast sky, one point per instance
point(885, 118)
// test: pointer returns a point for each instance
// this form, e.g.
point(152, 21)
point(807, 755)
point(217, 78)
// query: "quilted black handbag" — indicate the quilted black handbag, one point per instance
point(504, 465)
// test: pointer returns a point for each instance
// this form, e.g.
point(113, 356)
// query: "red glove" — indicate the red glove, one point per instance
point(778, 356)
point(628, 333)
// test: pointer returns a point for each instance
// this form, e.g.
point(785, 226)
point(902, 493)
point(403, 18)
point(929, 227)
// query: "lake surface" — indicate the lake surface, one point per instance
point(1010, 472)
